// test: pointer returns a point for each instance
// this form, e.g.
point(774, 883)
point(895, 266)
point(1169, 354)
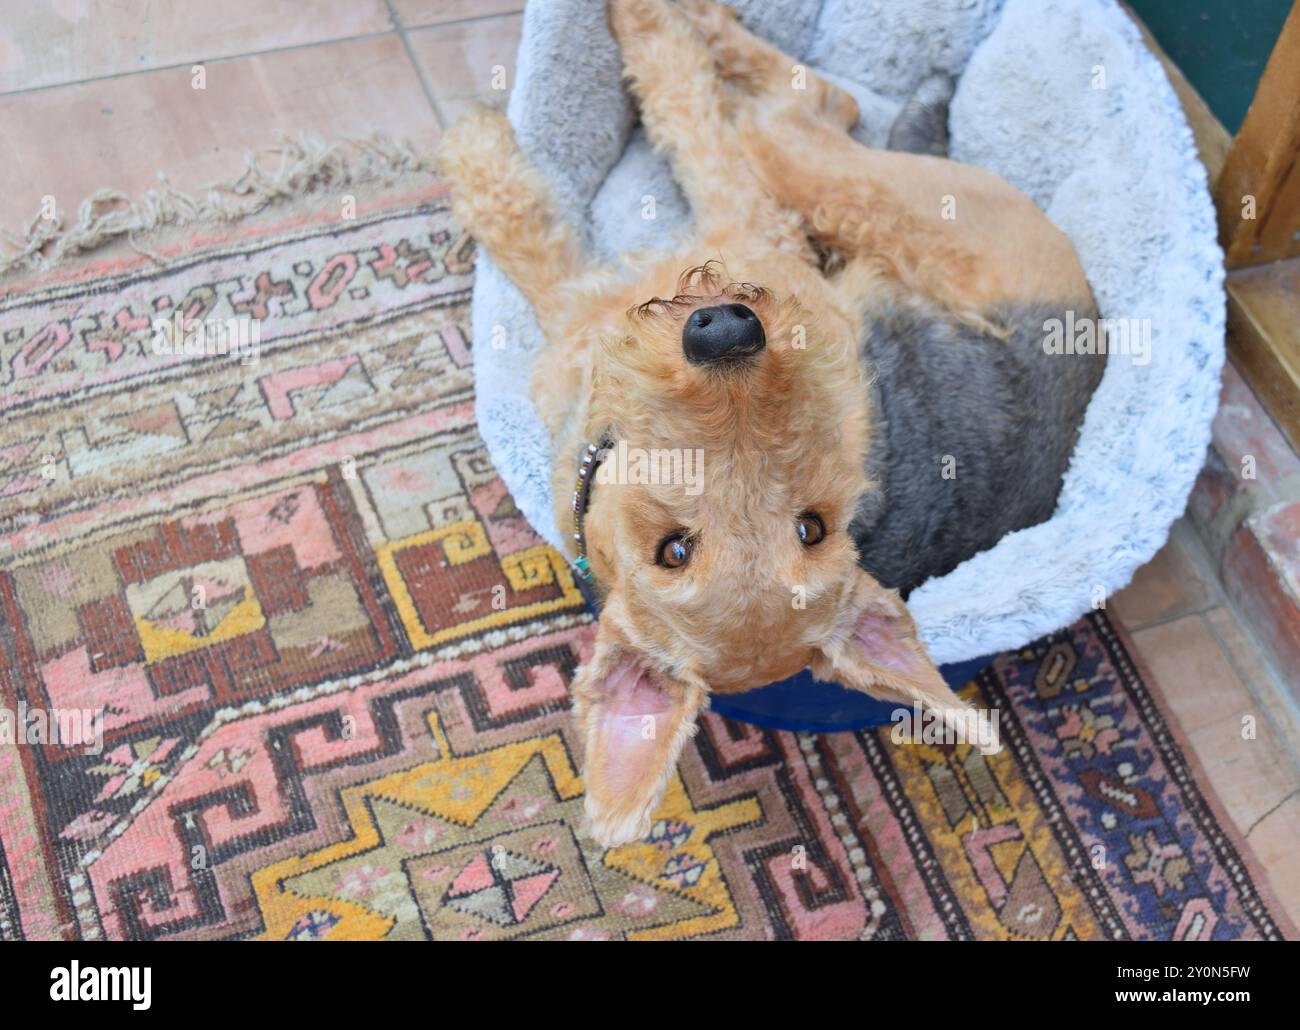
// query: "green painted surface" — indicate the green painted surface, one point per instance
point(1220, 45)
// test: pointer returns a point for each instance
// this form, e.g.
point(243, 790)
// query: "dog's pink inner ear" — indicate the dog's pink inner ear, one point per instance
point(882, 639)
point(883, 657)
point(631, 718)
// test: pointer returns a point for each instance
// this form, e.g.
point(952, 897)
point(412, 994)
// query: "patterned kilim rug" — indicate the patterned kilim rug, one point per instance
point(332, 661)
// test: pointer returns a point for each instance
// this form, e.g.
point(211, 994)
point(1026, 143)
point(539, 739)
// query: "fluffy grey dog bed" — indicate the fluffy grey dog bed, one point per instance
point(1061, 98)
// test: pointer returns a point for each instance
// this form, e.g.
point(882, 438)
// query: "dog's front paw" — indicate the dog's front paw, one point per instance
point(630, 18)
point(710, 19)
point(475, 145)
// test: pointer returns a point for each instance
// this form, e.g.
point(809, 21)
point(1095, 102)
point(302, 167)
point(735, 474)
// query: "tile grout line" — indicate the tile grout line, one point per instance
point(398, 29)
point(1200, 569)
point(198, 61)
point(467, 20)
point(401, 31)
point(1267, 706)
point(1268, 689)
point(1271, 698)
point(1134, 628)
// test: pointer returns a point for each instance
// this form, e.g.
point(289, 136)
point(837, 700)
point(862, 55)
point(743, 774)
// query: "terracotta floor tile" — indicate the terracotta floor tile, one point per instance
point(121, 132)
point(1166, 587)
point(1256, 676)
point(1193, 673)
point(1208, 699)
point(1275, 840)
point(459, 61)
point(1250, 777)
point(42, 44)
point(414, 13)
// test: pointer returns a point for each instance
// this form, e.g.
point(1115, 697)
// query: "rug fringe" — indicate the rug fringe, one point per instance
point(291, 167)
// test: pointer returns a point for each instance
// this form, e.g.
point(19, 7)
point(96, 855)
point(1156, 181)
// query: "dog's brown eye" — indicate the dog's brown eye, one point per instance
point(674, 551)
point(811, 529)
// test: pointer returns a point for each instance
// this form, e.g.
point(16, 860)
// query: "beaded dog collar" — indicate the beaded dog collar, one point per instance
point(591, 459)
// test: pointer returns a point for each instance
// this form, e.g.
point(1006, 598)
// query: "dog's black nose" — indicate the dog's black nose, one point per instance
point(726, 332)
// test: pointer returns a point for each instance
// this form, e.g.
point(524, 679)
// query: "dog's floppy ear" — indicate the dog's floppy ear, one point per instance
point(634, 719)
point(875, 649)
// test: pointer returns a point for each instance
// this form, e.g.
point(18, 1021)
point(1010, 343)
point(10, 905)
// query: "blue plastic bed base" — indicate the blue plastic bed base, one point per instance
point(803, 705)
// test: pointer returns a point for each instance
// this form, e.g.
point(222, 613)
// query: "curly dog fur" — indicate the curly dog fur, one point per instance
point(816, 235)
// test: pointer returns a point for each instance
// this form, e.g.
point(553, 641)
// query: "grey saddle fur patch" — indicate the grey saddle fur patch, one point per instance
point(1000, 416)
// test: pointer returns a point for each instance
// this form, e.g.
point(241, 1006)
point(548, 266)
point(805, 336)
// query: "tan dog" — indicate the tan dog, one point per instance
point(753, 357)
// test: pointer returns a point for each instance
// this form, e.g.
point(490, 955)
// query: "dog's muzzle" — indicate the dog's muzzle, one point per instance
point(725, 333)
